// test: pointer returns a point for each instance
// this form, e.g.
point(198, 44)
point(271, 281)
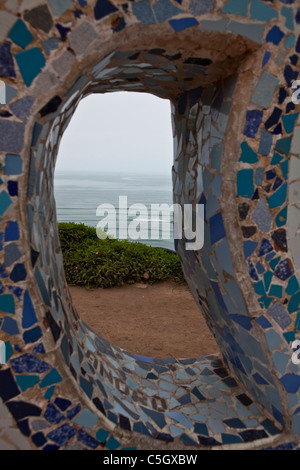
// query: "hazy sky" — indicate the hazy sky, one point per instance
point(121, 131)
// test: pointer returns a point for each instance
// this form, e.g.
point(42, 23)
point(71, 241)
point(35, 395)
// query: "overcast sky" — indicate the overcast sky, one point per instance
point(121, 131)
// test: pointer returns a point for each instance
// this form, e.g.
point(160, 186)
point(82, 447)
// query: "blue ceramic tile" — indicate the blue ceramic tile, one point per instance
point(280, 315)
point(289, 122)
point(288, 14)
point(86, 418)
point(245, 186)
point(29, 363)
point(263, 322)
point(274, 35)
point(278, 198)
point(247, 155)
point(262, 12)
point(293, 286)
point(142, 10)
point(283, 146)
point(12, 187)
point(31, 336)
point(199, 8)
point(20, 34)
point(62, 434)
point(112, 443)
point(30, 63)
point(11, 389)
point(236, 7)
point(13, 165)
point(266, 58)
point(51, 378)
point(164, 9)
point(249, 30)
point(87, 439)
point(183, 23)
point(51, 44)
point(264, 90)
point(253, 120)
point(9, 325)
point(27, 381)
point(11, 136)
point(18, 273)
point(7, 303)
point(6, 61)
point(217, 231)
point(291, 382)
point(29, 317)
point(261, 215)
point(265, 142)
point(11, 232)
point(58, 7)
point(294, 303)
point(22, 107)
point(249, 247)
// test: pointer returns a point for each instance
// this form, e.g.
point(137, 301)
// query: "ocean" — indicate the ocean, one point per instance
point(79, 194)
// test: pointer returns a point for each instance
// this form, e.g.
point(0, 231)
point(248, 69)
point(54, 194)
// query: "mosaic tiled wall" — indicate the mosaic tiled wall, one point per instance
point(227, 67)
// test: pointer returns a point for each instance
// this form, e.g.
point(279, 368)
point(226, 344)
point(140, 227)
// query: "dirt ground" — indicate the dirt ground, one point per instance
point(160, 320)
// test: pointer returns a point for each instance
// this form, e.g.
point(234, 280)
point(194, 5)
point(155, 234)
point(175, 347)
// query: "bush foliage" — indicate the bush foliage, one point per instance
point(92, 262)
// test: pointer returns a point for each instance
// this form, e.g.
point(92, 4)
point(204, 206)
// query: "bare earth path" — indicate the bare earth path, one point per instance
point(160, 320)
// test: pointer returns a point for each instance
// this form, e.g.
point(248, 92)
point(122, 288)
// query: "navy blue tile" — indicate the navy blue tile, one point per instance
point(217, 230)
point(62, 403)
point(38, 439)
point(22, 409)
point(8, 386)
point(103, 8)
point(253, 120)
point(29, 363)
point(283, 270)
point(62, 434)
point(87, 439)
point(53, 415)
point(6, 61)
point(253, 435)
point(265, 247)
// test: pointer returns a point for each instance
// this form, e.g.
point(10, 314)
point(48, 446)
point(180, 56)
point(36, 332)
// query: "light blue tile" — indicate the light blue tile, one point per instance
point(58, 7)
point(86, 418)
point(251, 31)
point(262, 12)
point(265, 89)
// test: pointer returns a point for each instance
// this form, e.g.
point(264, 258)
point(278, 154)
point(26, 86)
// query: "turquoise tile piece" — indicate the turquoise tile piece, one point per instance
point(288, 14)
point(7, 303)
point(27, 381)
point(20, 35)
point(278, 198)
point(276, 159)
point(284, 168)
point(289, 122)
point(275, 291)
point(30, 63)
point(86, 418)
point(248, 155)
point(51, 378)
point(267, 279)
point(265, 89)
point(112, 443)
point(290, 41)
point(5, 202)
point(262, 12)
point(236, 7)
point(102, 435)
point(284, 145)
point(281, 218)
point(293, 286)
point(245, 186)
point(49, 392)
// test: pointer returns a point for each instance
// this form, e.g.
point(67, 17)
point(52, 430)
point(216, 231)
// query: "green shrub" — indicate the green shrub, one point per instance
point(92, 262)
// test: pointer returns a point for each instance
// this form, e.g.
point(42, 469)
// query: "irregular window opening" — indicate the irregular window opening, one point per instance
point(120, 145)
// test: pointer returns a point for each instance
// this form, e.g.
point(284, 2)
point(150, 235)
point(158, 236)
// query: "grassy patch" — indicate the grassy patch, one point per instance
point(92, 262)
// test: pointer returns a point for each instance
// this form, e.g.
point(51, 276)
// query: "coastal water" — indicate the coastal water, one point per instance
point(78, 195)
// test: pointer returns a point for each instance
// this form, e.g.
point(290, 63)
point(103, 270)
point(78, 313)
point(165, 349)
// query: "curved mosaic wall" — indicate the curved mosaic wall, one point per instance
point(228, 68)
